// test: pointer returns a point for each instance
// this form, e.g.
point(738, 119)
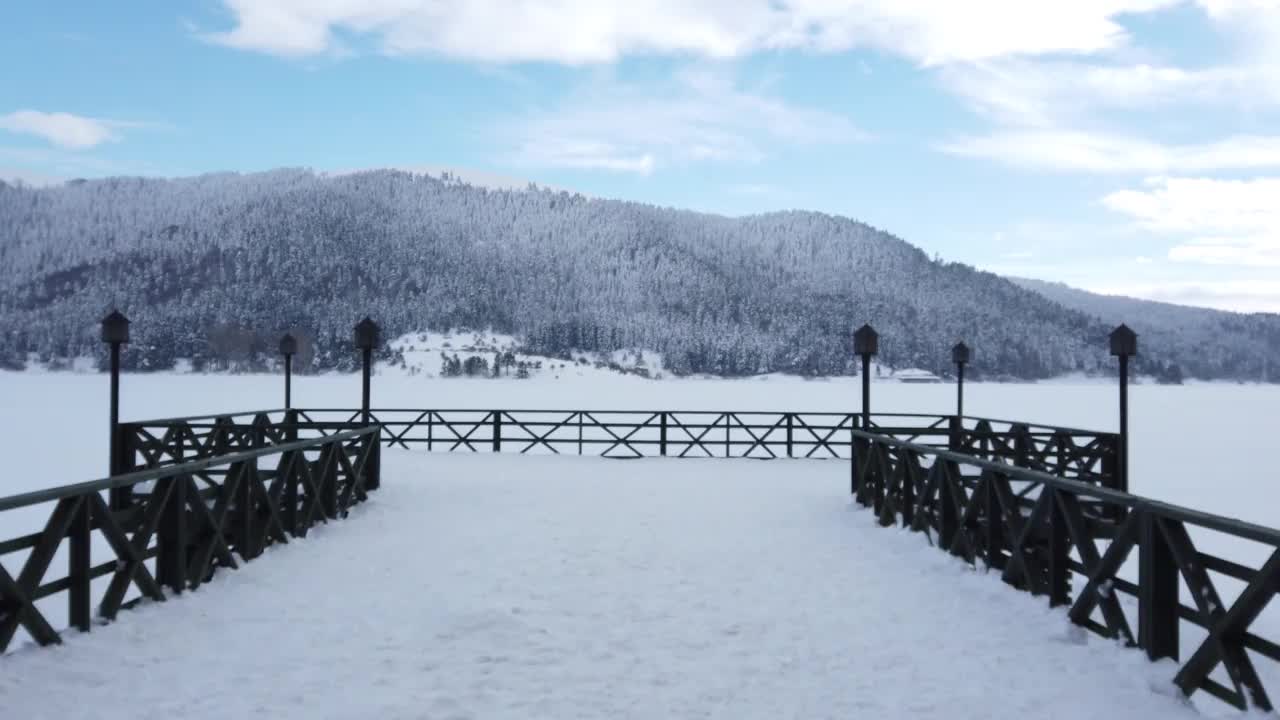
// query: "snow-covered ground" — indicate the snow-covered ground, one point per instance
point(545, 587)
point(420, 354)
point(1207, 446)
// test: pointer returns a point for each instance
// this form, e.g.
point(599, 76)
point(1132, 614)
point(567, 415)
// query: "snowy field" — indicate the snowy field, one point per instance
point(542, 587)
point(56, 425)
point(1206, 445)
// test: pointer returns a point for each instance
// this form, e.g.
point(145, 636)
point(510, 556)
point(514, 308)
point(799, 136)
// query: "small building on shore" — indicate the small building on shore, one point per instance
point(915, 375)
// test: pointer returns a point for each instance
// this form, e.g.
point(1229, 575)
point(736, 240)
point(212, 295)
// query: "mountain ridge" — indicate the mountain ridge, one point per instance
point(217, 266)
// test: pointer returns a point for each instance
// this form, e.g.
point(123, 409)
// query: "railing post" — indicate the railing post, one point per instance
point(291, 425)
point(856, 458)
point(171, 539)
point(1124, 344)
point(288, 346)
point(790, 425)
point(947, 515)
point(123, 461)
point(1157, 590)
point(662, 435)
point(248, 513)
point(866, 393)
point(955, 433)
point(960, 356)
point(431, 430)
point(866, 342)
point(373, 468)
point(289, 496)
point(909, 467)
point(115, 332)
point(366, 339)
point(994, 535)
point(497, 431)
point(79, 607)
point(1021, 445)
point(877, 472)
point(366, 361)
point(1059, 552)
point(329, 479)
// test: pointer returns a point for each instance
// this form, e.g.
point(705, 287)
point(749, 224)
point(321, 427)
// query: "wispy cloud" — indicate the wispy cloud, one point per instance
point(1246, 295)
point(590, 31)
point(1054, 93)
point(1102, 152)
point(60, 128)
point(1106, 113)
point(700, 115)
point(1211, 221)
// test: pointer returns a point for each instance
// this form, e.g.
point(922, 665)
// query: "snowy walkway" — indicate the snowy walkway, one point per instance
point(541, 587)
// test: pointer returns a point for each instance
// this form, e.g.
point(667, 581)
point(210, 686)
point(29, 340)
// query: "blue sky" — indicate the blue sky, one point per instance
point(1125, 146)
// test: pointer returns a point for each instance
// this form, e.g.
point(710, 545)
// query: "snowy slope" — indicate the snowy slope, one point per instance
point(542, 587)
point(421, 353)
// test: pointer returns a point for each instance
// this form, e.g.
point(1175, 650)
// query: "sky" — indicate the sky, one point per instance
point(1122, 146)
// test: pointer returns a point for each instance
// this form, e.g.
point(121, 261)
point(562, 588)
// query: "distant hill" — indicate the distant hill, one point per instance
point(214, 268)
point(1206, 339)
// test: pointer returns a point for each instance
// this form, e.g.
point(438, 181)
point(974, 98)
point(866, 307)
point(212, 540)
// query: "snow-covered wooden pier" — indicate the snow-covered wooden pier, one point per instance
point(502, 586)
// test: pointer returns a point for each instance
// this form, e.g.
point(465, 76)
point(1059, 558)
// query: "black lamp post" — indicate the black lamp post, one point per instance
point(366, 337)
point(866, 342)
point(288, 347)
point(960, 356)
point(1124, 345)
point(115, 332)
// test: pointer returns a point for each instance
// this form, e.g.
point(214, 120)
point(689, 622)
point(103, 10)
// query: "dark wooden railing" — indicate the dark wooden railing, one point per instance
point(182, 521)
point(1038, 531)
point(1082, 455)
point(1085, 455)
point(169, 441)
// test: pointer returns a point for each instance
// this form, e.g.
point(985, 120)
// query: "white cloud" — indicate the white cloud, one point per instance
point(61, 129)
point(565, 152)
point(1203, 205)
point(1036, 93)
point(1233, 295)
point(1077, 114)
point(1212, 221)
point(697, 116)
point(1111, 153)
point(597, 31)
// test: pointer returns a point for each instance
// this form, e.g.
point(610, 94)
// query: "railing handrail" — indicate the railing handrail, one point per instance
point(170, 421)
point(643, 411)
point(1069, 430)
point(36, 497)
point(810, 413)
point(630, 411)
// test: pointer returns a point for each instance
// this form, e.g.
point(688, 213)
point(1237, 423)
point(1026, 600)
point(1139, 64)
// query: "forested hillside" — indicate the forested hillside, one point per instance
point(1206, 339)
point(216, 267)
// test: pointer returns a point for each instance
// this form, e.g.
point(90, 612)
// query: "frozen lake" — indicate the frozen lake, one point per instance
point(1179, 449)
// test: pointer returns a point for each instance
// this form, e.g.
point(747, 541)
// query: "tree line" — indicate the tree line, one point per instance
point(213, 269)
